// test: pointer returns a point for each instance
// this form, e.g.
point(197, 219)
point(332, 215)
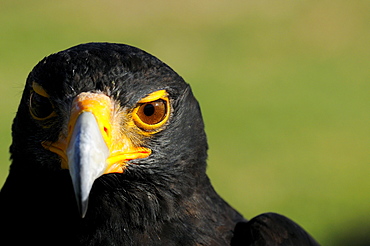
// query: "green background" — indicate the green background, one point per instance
point(283, 86)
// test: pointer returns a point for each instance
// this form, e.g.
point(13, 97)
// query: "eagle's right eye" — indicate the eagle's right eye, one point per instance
point(40, 106)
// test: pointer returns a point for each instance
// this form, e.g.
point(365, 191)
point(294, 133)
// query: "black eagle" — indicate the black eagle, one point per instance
point(117, 130)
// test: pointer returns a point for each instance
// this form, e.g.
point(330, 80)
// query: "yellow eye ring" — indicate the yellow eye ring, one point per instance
point(151, 115)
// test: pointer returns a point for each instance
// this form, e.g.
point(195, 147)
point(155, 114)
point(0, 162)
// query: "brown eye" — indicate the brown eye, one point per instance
point(40, 106)
point(152, 113)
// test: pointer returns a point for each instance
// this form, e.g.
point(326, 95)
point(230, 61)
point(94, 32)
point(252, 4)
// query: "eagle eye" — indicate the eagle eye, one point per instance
point(40, 106)
point(151, 115)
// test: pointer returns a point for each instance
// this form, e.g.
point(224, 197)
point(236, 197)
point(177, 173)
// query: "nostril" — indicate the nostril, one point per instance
point(106, 131)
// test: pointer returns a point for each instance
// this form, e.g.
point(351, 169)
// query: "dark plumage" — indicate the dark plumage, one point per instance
point(162, 196)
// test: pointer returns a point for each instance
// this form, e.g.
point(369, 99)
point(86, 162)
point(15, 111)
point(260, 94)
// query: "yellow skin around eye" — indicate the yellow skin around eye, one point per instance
point(39, 90)
point(161, 94)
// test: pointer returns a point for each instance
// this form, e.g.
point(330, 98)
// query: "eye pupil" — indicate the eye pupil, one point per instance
point(40, 106)
point(149, 109)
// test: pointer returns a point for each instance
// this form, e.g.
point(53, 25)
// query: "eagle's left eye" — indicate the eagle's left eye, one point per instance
point(151, 115)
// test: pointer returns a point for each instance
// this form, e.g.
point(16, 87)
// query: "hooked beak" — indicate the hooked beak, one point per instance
point(95, 144)
point(87, 154)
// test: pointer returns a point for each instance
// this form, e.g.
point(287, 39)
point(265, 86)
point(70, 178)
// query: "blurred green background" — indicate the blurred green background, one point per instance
point(283, 86)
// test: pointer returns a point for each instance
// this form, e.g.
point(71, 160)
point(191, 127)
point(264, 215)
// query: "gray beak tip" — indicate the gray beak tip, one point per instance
point(82, 207)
